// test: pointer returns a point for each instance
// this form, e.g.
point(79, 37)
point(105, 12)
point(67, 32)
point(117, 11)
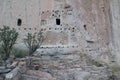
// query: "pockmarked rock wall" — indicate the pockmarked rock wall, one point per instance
point(89, 26)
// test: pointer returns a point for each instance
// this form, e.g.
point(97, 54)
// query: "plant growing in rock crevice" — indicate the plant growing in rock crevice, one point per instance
point(33, 41)
point(8, 38)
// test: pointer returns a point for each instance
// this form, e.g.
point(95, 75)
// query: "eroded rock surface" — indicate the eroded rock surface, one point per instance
point(64, 67)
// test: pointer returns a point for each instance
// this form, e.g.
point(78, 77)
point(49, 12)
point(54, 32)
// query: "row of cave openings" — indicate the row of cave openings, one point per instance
point(19, 22)
point(58, 22)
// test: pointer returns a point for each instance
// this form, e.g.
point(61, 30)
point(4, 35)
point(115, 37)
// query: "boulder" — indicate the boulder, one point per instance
point(81, 75)
point(13, 74)
point(39, 74)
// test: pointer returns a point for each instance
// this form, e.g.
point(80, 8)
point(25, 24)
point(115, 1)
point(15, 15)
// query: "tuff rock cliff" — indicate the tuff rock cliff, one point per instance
point(82, 37)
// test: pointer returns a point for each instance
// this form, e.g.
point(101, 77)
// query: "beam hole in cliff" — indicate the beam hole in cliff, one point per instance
point(49, 28)
point(67, 6)
point(68, 28)
point(45, 29)
point(73, 29)
point(57, 21)
point(41, 29)
point(19, 22)
point(90, 41)
point(29, 28)
point(52, 14)
point(24, 28)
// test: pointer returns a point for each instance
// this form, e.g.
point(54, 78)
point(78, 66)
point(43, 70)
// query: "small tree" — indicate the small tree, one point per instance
point(8, 38)
point(33, 41)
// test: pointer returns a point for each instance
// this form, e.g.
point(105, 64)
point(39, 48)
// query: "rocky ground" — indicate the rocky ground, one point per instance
point(62, 66)
point(66, 66)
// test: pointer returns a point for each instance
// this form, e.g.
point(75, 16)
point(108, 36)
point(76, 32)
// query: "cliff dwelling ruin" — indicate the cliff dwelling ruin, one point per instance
point(66, 23)
point(88, 26)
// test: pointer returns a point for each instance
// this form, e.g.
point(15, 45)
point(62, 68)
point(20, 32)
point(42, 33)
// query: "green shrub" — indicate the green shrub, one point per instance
point(93, 62)
point(90, 2)
point(19, 52)
point(1, 60)
point(98, 64)
point(8, 38)
point(115, 68)
point(33, 41)
point(2, 55)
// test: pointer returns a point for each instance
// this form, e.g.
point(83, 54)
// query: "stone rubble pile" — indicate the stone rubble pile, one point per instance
point(56, 66)
point(67, 66)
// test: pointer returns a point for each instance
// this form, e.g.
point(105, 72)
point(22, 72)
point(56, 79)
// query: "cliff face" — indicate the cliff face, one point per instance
point(114, 14)
point(88, 26)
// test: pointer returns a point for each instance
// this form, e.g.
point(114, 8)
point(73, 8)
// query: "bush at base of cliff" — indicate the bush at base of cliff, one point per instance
point(19, 53)
point(8, 38)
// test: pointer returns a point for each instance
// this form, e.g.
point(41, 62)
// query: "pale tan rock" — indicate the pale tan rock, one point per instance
point(39, 74)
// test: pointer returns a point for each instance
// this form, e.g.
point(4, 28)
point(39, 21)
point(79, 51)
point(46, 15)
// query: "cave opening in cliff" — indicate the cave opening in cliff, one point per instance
point(85, 27)
point(57, 21)
point(19, 22)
